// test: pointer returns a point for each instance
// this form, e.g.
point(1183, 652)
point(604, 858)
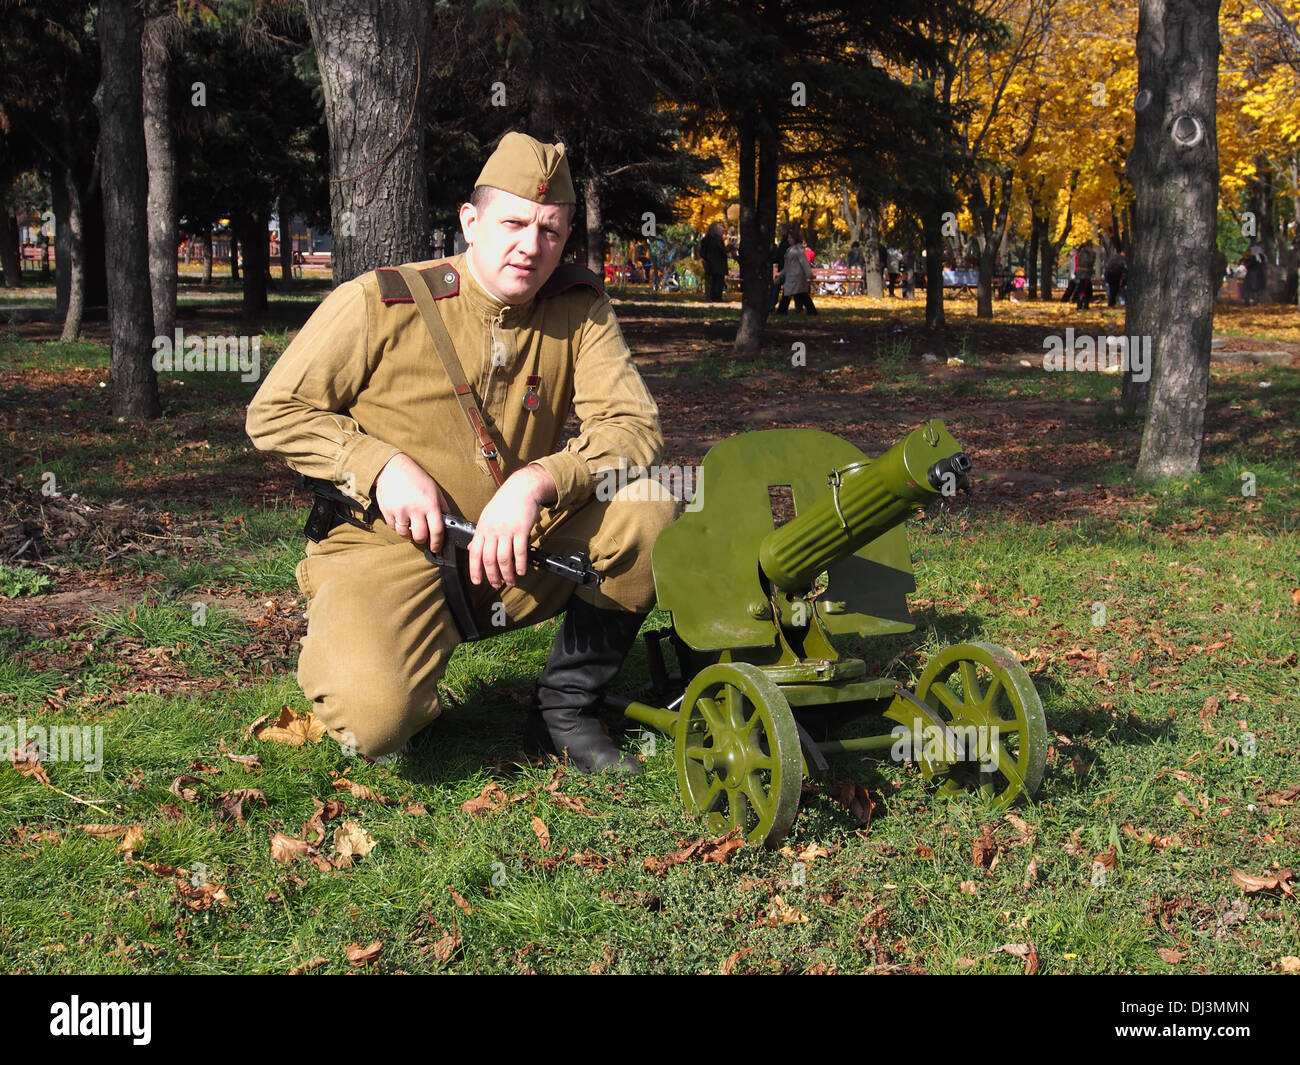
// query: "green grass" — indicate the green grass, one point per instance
point(1160, 637)
point(19, 580)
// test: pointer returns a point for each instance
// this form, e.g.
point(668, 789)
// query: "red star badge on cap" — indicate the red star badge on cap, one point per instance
point(541, 189)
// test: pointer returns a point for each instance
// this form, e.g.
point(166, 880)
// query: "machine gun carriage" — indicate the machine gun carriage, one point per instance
point(754, 606)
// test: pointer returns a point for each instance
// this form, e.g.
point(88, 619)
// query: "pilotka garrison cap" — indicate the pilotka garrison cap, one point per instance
point(529, 168)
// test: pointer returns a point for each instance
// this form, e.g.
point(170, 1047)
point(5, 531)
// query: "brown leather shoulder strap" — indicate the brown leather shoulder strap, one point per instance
point(425, 287)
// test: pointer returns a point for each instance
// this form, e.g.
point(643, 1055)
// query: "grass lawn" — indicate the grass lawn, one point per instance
point(1159, 627)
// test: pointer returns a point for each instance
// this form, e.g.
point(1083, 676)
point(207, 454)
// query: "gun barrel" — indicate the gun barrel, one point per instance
point(866, 500)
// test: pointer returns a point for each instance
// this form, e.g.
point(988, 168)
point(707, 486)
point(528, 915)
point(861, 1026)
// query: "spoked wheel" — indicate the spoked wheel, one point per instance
point(987, 700)
point(737, 753)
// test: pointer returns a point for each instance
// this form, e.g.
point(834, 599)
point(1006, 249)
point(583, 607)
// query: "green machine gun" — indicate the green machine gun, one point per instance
point(754, 606)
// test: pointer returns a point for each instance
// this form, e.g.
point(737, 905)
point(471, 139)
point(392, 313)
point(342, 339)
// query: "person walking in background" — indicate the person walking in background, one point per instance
point(713, 254)
point(796, 277)
point(893, 267)
point(1116, 271)
point(855, 260)
point(1084, 261)
point(779, 249)
point(1253, 261)
point(907, 264)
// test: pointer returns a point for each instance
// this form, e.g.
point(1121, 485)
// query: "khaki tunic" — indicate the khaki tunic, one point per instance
point(361, 383)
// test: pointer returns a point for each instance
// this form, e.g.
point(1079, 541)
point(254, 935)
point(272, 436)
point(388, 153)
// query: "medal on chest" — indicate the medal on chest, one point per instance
point(531, 399)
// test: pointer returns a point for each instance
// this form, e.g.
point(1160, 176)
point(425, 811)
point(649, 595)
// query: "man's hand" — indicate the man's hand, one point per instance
point(410, 501)
point(500, 546)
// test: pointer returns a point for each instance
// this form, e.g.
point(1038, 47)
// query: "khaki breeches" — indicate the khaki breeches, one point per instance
point(380, 632)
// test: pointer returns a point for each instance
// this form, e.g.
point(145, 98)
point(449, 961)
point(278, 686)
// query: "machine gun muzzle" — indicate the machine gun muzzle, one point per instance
point(866, 500)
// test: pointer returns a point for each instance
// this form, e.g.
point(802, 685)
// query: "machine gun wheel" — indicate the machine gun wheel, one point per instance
point(992, 710)
point(737, 753)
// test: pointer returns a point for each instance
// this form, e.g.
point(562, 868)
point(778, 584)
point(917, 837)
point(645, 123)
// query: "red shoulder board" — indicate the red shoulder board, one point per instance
point(567, 276)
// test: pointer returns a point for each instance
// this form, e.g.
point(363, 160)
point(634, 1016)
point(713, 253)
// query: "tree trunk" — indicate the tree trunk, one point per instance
point(872, 280)
point(755, 272)
point(134, 392)
point(984, 286)
point(72, 257)
point(160, 148)
point(594, 226)
point(1031, 260)
point(1174, 167)
point(9, 255)
point(932, 222)
point(286, 240)
point(368, 53)
point(251, 231)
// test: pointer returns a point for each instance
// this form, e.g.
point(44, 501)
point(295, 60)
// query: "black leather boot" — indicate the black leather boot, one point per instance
point(587, 654)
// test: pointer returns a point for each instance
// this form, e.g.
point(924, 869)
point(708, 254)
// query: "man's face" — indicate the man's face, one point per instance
point(514, 244)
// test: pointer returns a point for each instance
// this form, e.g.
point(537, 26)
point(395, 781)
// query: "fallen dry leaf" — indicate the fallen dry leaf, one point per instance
point(1208, 711)
point(133, 838)
point(985, 848)
point(730, 963)
point(1025, 832)
point(541, 832)
point(447, 946)
point(302, 967)
point(285, 849)
point(488, 801)
point(158, 869)
point(181, 788)
point(1150, 838)
point(293, 729)
point(1021, 950)
point(856, 799)
point(362, 791)
point(1232, 915)
point(1279, 881)
point(810, 853)
point(359, 956)
point(201, 896)
point(1289, 964)
point(1171, 957)
point(325, 811)
point(252, 763)
point(1106, 858)
point(351, 841)
point(969, 887)
point(705, 850)
point(28, 762)
point(571, 802)
point(415, 809)
point(779, 913)
point(231, 803)
point(1031, 871)
point(1281, 798)
point(104, 831)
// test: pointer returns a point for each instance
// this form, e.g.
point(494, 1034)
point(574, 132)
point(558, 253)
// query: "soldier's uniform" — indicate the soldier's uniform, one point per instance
point(361, 383)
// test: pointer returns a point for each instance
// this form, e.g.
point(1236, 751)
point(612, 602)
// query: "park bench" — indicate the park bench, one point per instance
point(837, 280)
